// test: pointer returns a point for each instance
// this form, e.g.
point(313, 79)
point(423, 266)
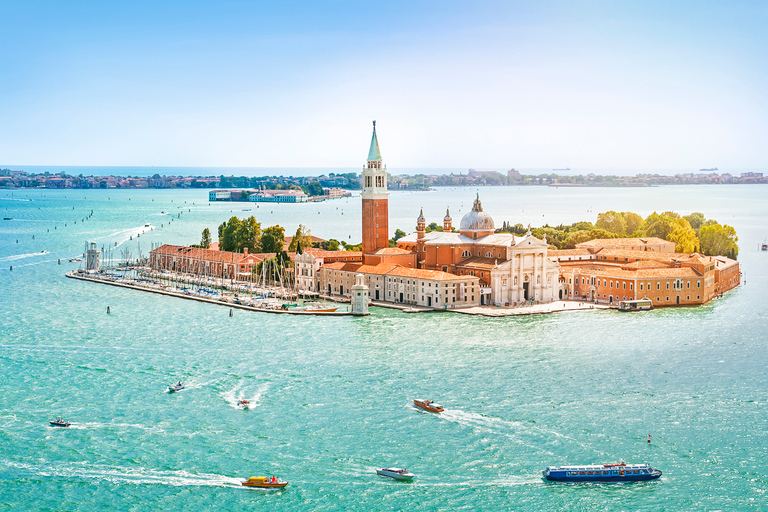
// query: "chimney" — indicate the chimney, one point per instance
point(245, 251)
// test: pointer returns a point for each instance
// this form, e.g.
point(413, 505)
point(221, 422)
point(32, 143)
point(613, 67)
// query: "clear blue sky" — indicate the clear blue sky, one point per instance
point(592, 85)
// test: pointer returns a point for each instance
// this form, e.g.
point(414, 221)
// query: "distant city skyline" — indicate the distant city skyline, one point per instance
point(591, 86)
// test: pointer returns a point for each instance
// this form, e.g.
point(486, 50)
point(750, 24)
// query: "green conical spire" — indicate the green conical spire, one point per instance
point(374, 153)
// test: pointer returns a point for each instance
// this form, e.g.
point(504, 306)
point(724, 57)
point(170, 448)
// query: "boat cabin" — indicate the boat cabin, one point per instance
point(636, 305)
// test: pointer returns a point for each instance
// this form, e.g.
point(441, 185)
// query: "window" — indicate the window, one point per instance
point(658, 286)
point(489, 255)
point(611, 284)
point(667, 285)
point(698, 284)
point(641, 286)
point(466, 254)
point(667, 299)
point(630, 285)
point(688, 284)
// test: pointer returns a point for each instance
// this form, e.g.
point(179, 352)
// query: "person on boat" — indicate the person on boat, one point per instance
point(179, 384)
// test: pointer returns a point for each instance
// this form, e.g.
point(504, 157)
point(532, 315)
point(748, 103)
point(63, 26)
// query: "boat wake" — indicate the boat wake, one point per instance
point(22, 256)
point(123, 235)
point(239, 392)
point(124, 475)
point(525, 434)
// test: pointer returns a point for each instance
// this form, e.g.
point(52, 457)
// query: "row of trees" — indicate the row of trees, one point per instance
point(691, 233)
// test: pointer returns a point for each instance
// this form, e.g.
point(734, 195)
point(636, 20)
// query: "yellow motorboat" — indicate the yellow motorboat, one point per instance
point(265, 482)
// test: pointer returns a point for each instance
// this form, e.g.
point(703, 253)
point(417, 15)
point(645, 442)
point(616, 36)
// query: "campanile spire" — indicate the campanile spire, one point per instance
point(375, 200)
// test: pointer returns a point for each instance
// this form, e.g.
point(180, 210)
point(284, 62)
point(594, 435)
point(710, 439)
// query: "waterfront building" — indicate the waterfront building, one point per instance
point(278, 196)
point(208, 262)
point(608, 274)
point(308, 264)
point(631, 244)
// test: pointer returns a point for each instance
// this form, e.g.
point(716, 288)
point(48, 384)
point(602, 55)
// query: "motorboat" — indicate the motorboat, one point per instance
point(244, 402)
point(265, 482)
point(618, 472)
point(427, 405)
point(73, 260)
point(176, 387)
point(60, 423)
point(396, 473)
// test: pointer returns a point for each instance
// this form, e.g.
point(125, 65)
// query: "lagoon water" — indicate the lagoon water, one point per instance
point(332, 395)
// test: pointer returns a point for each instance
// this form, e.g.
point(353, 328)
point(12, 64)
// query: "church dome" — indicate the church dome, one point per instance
point(477, 219)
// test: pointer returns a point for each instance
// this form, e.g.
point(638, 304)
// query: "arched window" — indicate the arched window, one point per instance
point(466, 254)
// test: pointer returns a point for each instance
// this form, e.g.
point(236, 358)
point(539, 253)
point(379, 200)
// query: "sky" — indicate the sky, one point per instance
point(591, 85)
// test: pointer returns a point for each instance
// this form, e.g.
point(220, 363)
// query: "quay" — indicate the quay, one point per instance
point(162, 290)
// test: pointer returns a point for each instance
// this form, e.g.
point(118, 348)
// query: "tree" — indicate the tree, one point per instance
point(205, 241)
point(696, 220)
point(236, 234)
point(398, 235)
point(634, 222)
point(611, 221)
point(302, 238)
point(684, 237)
point(228, 234)
point(717, 240)
point(657, 225)
point(273, 239)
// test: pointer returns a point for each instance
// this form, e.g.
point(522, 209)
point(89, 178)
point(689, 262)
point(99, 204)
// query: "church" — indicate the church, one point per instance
point(448, 268)
point(512, 269)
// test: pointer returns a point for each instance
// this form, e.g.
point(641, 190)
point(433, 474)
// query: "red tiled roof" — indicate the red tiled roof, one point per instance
point(479, 262)
point(608, 242)
point(392, 250)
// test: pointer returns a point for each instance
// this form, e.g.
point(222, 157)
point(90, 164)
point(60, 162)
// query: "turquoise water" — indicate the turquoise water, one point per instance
point(332, 395)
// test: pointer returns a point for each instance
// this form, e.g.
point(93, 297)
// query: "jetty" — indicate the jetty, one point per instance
point(231, 300)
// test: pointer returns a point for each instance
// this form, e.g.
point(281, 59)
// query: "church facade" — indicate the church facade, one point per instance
point(511, 268)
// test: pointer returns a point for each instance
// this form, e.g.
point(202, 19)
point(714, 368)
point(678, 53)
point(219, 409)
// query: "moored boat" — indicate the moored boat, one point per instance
point(427, 405)
point(60, 423)
point(265, 482)
point(620, 472)
point(396, 473)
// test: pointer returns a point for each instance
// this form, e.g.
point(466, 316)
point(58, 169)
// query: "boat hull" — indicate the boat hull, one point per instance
point(422, 404)
point(607, 479)
point(63, 425)
point(265, 485)
point(605, 474)
point(396, 476)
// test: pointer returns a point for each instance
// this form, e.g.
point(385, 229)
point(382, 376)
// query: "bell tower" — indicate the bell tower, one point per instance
point(375, 200)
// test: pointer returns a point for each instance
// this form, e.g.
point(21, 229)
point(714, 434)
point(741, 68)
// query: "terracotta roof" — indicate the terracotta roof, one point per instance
point(646, 273)
point(434, 275)
point(568, 252)
point(479, 262)
point(319, 253)
point(391, 269)
point(392, 250)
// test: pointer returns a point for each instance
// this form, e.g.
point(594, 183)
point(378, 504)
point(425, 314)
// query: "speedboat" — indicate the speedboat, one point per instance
point(427, 405)
point(72, 260)
point(60, 423)
point(265, 482)
point(620, 472)
point(244, 402)
point(396, 473)
point(176, 387)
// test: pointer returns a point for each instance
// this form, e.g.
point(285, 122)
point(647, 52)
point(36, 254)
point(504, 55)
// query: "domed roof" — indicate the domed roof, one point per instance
point(477, 219)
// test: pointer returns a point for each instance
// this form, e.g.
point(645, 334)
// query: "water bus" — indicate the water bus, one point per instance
point(636, 305)
point(621, 472)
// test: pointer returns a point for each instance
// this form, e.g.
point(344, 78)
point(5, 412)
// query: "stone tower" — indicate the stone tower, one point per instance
point(447, 221)
point(375, 200)
point(359, 296)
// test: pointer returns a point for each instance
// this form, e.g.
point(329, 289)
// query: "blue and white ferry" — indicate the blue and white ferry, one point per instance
point(620, 472)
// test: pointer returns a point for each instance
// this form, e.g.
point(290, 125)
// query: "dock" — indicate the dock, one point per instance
point(110, 280)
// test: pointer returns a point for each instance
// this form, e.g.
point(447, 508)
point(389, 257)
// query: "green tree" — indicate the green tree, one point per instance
point(433, 227)
point(684, 237)
point(302, 239)
point(328, 245)
point(398, 235)
point(634, 222)
point(228, 234)
point(717, 240)
point(273, 239)
point(611, 221)
point(696, 220)
point(313, 188)
point(249, 234)
point(205, 241)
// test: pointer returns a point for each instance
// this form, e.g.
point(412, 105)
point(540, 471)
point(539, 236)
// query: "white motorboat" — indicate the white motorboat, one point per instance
point(176, 387)
point(396, 473)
